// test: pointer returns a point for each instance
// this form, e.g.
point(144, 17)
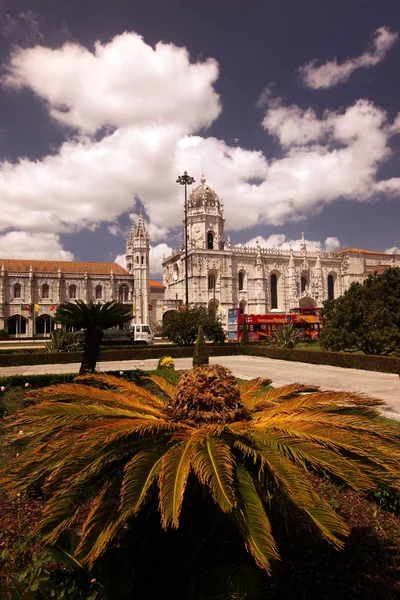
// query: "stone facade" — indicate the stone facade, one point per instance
point(31, 290)
point(258, 280)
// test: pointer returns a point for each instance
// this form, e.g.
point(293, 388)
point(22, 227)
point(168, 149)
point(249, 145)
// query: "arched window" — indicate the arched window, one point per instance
point(304, 284)
point(274, 291)
point(331, 287)
point(123, 295)
point(142, 259)
point(72, 291)
point(241, 280)
point(137, 259)
point(129, 266)
point(98, 292)
point(45, 290)
point(210, 240)
point(17, 290)
point(211, 281)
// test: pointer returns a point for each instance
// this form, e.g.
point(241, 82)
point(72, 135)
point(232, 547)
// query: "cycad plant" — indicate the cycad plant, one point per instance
point(93, 318)
point(103, 454)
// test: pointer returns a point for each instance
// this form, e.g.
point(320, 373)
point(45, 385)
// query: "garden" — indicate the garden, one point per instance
point(195, 485)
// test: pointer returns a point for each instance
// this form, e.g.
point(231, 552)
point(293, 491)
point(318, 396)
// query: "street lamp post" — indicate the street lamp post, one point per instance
point(186, 180)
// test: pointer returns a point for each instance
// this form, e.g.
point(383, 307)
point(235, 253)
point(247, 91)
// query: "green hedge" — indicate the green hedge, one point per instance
point(384, 364)
point(45, 379)
point(142, 353)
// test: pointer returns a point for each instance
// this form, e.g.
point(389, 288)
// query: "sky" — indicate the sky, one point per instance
point(290, 109)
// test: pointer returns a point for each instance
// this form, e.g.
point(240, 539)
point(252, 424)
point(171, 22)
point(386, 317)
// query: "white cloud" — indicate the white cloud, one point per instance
point(40, 246)
point(124, 82)
point(87, 181)
point(332, 72)
point(279, 241)
point(393, 250)
point(157, 254)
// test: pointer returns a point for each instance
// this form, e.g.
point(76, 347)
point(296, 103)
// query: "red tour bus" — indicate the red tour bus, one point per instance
point(306, 320)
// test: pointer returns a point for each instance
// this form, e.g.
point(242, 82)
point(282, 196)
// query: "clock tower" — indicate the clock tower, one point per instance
point(205, 219)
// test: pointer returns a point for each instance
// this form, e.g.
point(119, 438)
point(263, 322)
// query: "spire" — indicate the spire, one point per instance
point(303, 246)
point(141, 229)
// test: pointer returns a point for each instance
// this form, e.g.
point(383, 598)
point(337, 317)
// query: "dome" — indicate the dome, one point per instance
point(205, 196)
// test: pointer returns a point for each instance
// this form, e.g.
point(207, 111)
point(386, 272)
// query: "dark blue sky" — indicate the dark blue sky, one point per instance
point(256, 43)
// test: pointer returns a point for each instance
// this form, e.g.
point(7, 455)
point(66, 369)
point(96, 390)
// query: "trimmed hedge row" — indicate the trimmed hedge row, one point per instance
point(142, 353)
point(45, 379)
point(365, 362)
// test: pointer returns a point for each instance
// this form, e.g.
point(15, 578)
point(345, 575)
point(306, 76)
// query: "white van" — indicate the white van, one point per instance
point(142, 334)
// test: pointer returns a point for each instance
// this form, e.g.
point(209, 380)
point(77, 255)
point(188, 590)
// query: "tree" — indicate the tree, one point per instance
point(116, 452)
point(366, 317)
point(244, 340)
point(200, 354)
point(93, 318)
point(181, 327)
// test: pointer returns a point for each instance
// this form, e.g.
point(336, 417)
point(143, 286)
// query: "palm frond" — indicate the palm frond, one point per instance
point(249, 389)
point(70, 392)
point(328, 400)
point(164, 385)
point(139, 474)
point(253, 522)
point(175, 469)
point(82, 315)
point(290, 479)
point(214, 466)
point(284, 393)
point(124, 386)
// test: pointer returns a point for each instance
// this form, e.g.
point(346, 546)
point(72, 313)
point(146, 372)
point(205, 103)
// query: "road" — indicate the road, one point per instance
point(384, 386)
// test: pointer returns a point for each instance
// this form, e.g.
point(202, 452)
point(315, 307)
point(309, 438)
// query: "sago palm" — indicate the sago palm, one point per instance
point(93, 318)
point(111, 449)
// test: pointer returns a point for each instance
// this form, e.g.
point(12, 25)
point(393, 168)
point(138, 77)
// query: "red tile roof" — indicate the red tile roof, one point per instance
point(346, 250)
point(156, 284)
point(52, 266)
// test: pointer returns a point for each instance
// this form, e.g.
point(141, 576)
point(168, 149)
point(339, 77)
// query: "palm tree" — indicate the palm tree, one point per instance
point(93, 318)
point(285, 336)
point(117, 447)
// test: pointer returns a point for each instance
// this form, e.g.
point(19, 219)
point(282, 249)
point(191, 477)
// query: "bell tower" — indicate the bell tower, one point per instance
point(205, 218)
point(137, 263)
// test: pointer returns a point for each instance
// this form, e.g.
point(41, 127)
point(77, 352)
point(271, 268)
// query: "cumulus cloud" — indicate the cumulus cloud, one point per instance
point(319, 76)
point(279, 241)
point(121, 83)
point(154, 137)
point(40, 246)
point(393, 250)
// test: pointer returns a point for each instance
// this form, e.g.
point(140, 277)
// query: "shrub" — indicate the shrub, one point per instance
point(182, 327)
point(384, 364)
point(4, 335)
point(200, 354)
point(285, 336)
point(166, 362)
point(63, 341)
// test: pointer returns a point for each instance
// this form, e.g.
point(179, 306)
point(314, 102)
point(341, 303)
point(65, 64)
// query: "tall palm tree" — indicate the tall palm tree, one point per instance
point(93, 318)
point(118, 447)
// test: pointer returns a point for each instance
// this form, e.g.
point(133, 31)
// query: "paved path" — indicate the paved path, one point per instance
point(384, 386)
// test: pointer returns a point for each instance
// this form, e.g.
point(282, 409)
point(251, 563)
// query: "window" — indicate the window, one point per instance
point(210, 241)
point(98, 292)
point(142, 259)
point(17, 290)
point(242, 307)
point(274, 291)
point(211, 281)
point(137, 260)
point(123, 293)
point(304, 284)
point(72, 291)
point(129, 265)
point(331, 287)
point(241, 280)
point(45, 290)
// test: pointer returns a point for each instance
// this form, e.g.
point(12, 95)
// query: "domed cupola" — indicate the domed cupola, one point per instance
point(205, 218)
point(204, 198)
